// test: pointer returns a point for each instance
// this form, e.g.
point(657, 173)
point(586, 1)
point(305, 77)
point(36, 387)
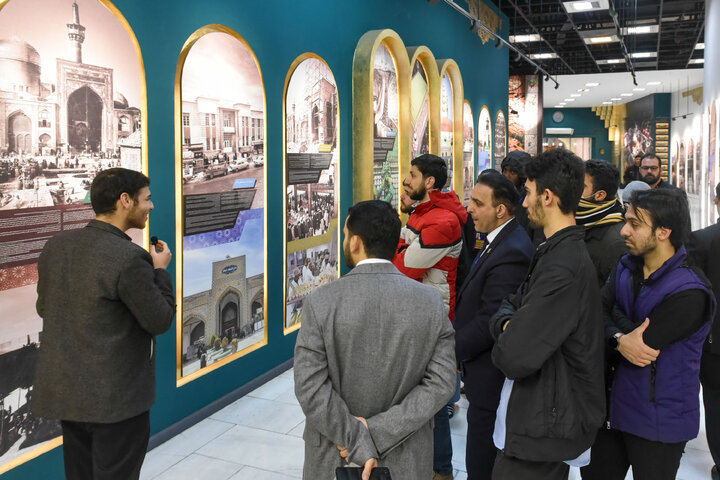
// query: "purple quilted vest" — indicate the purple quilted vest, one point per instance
point(659, 402)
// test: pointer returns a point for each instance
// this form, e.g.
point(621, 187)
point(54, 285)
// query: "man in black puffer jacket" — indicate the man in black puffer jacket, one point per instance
point(549, 337)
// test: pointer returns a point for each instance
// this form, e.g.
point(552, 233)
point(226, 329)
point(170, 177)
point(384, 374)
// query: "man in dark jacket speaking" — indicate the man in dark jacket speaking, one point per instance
point(549, 337)
point(103, 299)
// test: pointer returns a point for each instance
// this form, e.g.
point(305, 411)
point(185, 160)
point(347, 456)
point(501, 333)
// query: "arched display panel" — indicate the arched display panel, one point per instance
point(220, 123)
point(424, 102)
point(381, 116)
point(451, 122)
point(62, 97)
point(468, 152)
point(312, 182)
point(500, 142)
point(484, 144)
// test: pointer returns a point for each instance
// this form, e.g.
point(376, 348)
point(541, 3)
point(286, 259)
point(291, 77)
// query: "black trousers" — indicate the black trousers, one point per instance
point(710, 379)
point(480, 451)
point(105, 451)
point(614, 452)
point(511, 468)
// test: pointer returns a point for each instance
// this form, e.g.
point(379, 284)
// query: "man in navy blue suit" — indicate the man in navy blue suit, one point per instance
point(498, 269)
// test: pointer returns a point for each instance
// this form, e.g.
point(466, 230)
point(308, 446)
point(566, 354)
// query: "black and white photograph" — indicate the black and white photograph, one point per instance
point(447, 126)
point(311, 107)
point(420, 110)
point(386, 103)
point(500, 134)
point(468, 153)
point(484, 143)
point(71, 100)
point(223, 250)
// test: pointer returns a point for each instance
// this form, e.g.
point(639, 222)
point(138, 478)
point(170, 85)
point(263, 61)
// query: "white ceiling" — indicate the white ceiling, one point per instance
point(612, 85)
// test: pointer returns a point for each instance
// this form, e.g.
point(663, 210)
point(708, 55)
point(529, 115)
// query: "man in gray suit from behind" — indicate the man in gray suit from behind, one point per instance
point(374, 359)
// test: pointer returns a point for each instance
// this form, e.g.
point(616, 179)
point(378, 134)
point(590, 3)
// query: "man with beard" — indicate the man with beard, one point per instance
point(601, 214)
point(374, 359)
point(428, 251)
point(657, 314)
point(650, 172)
point(549, 337)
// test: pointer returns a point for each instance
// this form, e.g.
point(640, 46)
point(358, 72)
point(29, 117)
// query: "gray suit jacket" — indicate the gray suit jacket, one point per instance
point(378, 345)
point(102, 302)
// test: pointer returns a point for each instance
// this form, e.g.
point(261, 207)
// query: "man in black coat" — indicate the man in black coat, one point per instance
point(549, 337)
point(103, 299)
point(497, 271)
point(703, 250)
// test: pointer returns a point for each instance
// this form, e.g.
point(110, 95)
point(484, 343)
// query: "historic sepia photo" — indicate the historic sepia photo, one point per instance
point(386, 104)
point(312, 194)
point(420, 110)
point(484, 143)
point(447, 125)
point(468, 153)
point(223, 147)
point(500, 134)
point(71, 99)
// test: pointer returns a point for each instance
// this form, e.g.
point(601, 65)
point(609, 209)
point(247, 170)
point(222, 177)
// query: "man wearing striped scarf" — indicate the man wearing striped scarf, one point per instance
point(601, 213)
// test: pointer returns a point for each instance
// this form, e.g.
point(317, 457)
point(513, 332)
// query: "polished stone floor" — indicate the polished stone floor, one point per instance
point(259, 437)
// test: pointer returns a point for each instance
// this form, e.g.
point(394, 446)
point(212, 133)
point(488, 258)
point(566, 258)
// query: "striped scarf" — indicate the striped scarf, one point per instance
point(591, 214)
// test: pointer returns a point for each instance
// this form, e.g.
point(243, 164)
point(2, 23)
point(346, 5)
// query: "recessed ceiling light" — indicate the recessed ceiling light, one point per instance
point(697, 60)
point(638, 89)
point(585, 6)
point(643, 54)
point(607, 103)
point(615, 99)
point(543, 56)
point(586, 90)
point(559, 106)
point(627, 94)
point(575, 95)
point(611, 61)
point(653, 83)
point(700, 46)
point(580, 89)
point(562, 103)
point(569, 100)
point(641, 29)
point(607, 39)
point(592, 84)
point(525, 38)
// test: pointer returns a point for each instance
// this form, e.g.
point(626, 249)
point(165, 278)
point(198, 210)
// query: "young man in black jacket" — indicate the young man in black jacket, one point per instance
point(549, 337)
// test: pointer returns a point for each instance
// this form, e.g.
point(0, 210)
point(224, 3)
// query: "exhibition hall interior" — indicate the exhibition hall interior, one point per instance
point(259, 125)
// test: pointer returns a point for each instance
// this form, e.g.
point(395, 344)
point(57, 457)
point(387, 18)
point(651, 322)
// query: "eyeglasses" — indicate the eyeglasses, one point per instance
point(649, 168)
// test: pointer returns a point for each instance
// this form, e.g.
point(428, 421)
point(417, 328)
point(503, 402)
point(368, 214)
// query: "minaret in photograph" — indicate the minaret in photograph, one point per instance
point(76, 34)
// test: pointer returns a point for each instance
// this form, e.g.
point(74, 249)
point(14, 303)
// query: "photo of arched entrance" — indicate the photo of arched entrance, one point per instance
point(85, 109)
point(19, 133)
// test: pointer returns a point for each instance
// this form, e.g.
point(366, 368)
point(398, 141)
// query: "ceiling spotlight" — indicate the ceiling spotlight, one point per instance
point(557, 85)
point(592, 84)
point(607, 103)
point(638, 89)
point(547, 77)
point(653, 83)
point(626, 94)
point(616, 99)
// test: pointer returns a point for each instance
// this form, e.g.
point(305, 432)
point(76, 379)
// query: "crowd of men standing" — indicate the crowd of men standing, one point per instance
point(582, 328)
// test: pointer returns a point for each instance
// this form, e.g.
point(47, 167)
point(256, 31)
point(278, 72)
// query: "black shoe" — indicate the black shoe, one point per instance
point(714, 473)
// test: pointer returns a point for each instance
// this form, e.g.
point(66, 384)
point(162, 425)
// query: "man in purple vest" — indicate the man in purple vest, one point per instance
point(657, 314)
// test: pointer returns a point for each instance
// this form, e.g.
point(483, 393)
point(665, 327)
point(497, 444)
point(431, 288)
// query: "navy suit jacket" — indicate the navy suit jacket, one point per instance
point(497, 272)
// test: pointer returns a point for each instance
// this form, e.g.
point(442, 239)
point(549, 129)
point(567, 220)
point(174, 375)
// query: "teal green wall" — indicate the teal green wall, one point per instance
point(278, 31)
point(586, 124)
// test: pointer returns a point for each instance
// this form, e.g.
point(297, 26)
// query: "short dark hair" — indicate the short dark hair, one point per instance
point(109, 184)
point(668, 208)
point(605, 176)
point(377, 223)
point(717, 190)
point(516, 161)
point(504, 191)
point(432, 166)
point(651, 155)
point(560, 171)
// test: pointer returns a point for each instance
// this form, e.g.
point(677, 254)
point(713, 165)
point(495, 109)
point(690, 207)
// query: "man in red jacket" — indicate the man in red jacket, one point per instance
point(428, 251)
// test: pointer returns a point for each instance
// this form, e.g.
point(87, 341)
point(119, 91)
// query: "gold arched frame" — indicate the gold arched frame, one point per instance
point(477, 138)
point(363, 114)
point(505, 144)
point(291, 71)
point(56, 442)
point(474, 142)
point(179, 221)
point(428, 62)
point(450, 68)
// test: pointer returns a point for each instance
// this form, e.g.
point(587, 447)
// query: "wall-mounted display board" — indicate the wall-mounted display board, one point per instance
point(312, 182)
point(381, 116)
point(484, 143)
point(451, 123)
point(220, 174)
point(424, 100)
point(468, 152)
point(69, 108)
point(500, 147)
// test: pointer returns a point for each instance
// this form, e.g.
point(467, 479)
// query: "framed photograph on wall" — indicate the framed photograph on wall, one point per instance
point(500, 139)
point(484, 144)
point(71, 108)
point(468, 152)
point(220, 165)
point(312, 183)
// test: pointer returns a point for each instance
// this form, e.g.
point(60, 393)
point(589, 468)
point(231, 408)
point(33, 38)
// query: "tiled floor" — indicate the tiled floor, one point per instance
point(259, 437)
